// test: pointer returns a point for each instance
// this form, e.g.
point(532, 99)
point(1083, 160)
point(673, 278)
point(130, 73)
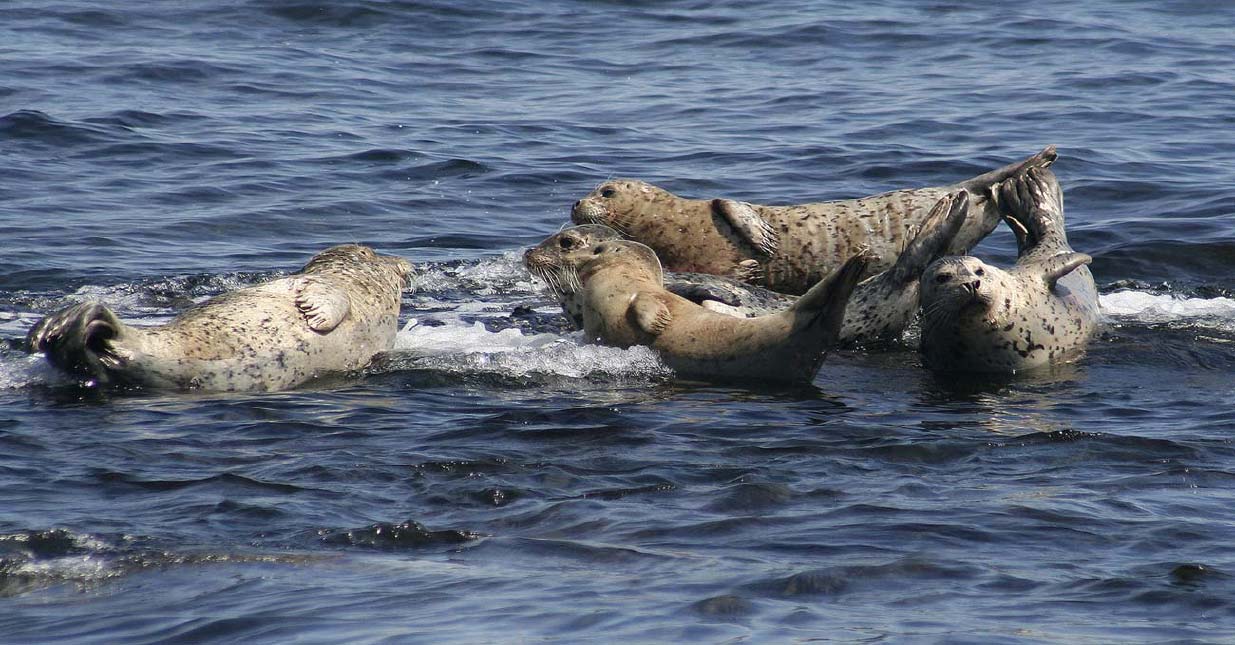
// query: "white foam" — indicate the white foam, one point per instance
point(1151, 308)
point(502, 274)
point(460, 348)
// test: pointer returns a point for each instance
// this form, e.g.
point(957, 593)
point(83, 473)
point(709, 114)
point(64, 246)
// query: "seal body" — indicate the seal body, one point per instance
point(880, 309)
point(786, 248)
point(1044, 310)
point(331, 316)
point(624, 303)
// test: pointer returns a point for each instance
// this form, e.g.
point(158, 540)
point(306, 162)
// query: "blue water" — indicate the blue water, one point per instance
point(496, 481)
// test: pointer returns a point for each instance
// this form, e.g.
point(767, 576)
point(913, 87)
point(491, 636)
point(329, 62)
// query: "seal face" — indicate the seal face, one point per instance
point(980, 318)
point(880, 308)
point(331, 316)
point(624, 303)
point(786, 248)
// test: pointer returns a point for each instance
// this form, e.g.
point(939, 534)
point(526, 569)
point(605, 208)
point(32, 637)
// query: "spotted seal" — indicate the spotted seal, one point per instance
point(979, 318)
point(331, 316)
point(880, 309)
point(624, 303)
point(786, 248)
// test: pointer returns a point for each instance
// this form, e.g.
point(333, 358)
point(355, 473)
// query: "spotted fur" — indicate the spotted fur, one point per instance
point(786, 248)
point(1044, 310)
point(331, 316)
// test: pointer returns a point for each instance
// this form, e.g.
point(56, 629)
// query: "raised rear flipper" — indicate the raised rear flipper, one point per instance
point(78, 340)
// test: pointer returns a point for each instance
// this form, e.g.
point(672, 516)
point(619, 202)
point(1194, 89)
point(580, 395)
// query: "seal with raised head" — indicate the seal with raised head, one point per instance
point(554, 261)
point(331, 316)
point(786, 248)
point(880, 309)
point(979, 318)
point(624, 304)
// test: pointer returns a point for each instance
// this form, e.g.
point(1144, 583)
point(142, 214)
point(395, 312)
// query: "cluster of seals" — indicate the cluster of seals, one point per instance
point(624, 303)
point(331, 316)
point(787, 248)
point(880, 309)
point(1044, 310)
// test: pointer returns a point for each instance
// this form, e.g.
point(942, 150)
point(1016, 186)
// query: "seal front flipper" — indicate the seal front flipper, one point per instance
point(1061, 265)
point(322, 304)
point(747, 223)
point(78, 340)
point(649, 313)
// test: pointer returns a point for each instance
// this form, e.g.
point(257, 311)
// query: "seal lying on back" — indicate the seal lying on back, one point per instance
point(786, 248)
point(624, 303)
point(977, 317)
point(332, 316)
point(880, 309)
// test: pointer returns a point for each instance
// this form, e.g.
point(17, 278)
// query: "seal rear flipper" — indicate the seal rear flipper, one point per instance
point(979, 185)
point(323, 305)
point(649, 313)
point(78, 340)
point(1032, 204)
point(746, 222)
point(825, 302)
point(1061, 265)
point(941, 225)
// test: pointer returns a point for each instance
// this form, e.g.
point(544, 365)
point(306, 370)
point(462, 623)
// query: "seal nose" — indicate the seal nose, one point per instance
point(973, 286)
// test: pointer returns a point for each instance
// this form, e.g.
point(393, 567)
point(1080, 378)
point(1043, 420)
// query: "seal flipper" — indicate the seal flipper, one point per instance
point(747, 222)
point(322, 305)
point(649, 313)
point(1061, 265)
point(980, 185)
point(701, 293)
point(1034, 201)
point(941, 225)
point(78, 340)
point(825, 302)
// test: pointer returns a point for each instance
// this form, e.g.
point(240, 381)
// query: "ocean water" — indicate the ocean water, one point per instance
point(496, 480)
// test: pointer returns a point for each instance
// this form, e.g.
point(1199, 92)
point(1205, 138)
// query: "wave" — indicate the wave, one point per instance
point(1139, 307)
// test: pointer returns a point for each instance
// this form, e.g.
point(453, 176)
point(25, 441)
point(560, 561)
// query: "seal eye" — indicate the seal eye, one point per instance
point(607, 193)
point(980, 272)
point(942, 278)
point(565, 243)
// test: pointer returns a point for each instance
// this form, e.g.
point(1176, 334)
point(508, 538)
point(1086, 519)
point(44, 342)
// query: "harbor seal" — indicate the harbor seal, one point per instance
point(554, 260)
point(331, 316)
point(977, 317)
point(879, 310)
point(786, 248)
point(624, 303)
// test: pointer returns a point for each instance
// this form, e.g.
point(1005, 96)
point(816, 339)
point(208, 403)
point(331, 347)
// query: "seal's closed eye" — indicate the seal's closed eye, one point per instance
point(942, 278)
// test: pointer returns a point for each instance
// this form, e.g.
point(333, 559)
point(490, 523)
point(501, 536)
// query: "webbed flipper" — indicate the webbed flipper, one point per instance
point(649, 313)
point(747, 223)
point(323, 305)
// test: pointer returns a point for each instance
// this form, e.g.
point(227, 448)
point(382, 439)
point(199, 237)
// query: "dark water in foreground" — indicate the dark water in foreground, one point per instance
point(496, 481)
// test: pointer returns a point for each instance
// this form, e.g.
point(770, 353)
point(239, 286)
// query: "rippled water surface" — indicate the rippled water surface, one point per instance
point(496, 480)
